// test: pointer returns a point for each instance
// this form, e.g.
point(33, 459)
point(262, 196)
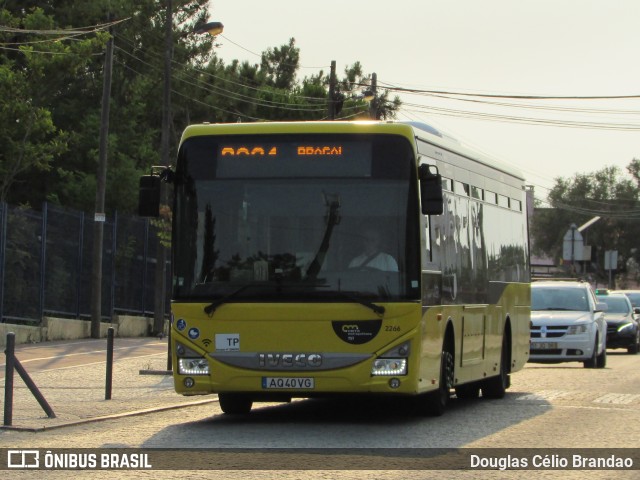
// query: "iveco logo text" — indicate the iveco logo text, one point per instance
point(289, 360)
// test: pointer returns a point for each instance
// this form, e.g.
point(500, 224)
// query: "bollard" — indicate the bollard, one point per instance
point(109, 376)
point(8, 379)
point(13, 364)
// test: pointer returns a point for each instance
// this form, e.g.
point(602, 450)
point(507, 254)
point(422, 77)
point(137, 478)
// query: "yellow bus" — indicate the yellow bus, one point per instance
point(325, 258)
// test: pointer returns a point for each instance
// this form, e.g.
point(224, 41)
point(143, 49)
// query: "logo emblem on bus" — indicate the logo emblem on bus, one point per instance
point(289, 360)
point(543, 331)
point(357, 332)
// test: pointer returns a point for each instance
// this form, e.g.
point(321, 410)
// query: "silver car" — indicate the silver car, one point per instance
point(568, 324)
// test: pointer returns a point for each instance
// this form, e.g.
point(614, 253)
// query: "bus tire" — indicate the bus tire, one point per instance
point(436, 402)
point(496, 387)
point(235, 403)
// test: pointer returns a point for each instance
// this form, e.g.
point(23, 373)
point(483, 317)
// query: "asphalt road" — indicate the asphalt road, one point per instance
point(62, 354)
point(562, 406)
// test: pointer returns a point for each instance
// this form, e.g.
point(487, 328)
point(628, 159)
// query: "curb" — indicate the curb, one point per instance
point(108, 417)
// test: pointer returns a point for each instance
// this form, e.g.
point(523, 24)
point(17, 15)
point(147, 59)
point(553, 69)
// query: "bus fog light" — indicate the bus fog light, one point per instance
point(189, 382)
point(389, 366)
point(394, 382)
point(193, 366)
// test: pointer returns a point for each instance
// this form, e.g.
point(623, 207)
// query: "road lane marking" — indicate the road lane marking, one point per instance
point(89, 364)
point(79, 353)
point(544, 395)
point(618, 398)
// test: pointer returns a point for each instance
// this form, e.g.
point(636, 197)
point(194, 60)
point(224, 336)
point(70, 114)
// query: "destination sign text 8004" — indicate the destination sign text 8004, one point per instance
point(272, 151)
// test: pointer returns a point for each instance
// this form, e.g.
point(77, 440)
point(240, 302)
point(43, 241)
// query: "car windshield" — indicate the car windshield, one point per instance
point(554, 298)
point(634, 298)
point(615, 304)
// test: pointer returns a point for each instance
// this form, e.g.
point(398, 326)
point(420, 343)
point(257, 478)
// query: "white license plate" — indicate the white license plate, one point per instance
point(297, 383)
point(545, 345)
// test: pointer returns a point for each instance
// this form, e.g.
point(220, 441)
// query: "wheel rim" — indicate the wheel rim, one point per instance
point(447, 374)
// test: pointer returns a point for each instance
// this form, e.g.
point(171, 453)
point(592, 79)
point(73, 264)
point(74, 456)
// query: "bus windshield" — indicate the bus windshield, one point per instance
point(296, 218)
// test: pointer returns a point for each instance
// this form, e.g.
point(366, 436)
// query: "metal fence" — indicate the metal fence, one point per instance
point(46, 264)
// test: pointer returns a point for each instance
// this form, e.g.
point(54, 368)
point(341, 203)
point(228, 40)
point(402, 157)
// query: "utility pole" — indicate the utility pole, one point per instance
point(373, 105)
point(101, 181)
point(161, 256)
point(332, 91)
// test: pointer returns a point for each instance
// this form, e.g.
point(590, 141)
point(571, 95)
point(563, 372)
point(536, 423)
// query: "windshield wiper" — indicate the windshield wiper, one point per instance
point(333, 219)
point(378, 309)
point(209, 309)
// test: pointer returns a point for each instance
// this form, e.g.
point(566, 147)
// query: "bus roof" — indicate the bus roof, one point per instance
point(410, 130)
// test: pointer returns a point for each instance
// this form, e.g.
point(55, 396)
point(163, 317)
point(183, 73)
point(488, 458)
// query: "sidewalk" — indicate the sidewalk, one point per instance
point(77, 394)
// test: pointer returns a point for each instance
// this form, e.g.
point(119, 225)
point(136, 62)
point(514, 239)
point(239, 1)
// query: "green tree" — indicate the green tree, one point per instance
point(51, 74)
point(607, 194)
point(279, 65)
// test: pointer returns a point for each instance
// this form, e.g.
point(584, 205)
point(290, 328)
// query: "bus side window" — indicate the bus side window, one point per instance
point(430, 190)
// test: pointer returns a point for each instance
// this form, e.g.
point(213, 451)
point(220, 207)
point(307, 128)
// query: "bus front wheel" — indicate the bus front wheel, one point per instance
point(436, 402)
point(235, 403)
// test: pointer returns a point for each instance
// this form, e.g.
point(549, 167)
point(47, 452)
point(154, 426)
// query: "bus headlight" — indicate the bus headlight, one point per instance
point(389, 366)
point(193, 366)
point(393, 361)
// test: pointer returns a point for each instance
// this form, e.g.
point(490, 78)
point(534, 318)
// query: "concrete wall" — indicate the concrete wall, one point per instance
point(70, 329)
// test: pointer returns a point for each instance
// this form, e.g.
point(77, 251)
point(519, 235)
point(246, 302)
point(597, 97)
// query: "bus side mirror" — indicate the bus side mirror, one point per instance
point(430, 190)
point(149, 196)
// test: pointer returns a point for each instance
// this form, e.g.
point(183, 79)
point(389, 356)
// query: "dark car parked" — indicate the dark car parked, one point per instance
point(623, 329)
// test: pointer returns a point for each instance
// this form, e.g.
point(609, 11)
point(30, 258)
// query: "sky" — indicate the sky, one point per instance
point(549, 48)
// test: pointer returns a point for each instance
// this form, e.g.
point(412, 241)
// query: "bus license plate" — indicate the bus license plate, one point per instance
point(546, 345)
point(298, 383)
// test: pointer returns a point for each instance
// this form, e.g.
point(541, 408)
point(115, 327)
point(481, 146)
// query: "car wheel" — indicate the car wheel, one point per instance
point(633, 349)
point(601, 360)
point(591, 363)
point(235, 404)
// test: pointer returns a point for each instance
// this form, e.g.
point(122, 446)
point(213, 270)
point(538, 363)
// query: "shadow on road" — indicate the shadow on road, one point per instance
point(347, 422)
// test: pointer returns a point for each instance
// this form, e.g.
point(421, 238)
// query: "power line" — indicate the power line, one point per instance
point(65, 31)
point(213, 89)
point(542, 107)
point(260, 55)
point(517, 119)
point(320, 102)
point(519, 97)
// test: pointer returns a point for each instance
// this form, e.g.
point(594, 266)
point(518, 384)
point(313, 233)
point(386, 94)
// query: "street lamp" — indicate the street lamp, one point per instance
point(212, 28)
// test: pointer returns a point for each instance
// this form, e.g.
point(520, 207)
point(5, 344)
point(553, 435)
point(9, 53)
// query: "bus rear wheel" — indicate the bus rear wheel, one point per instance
point(496, 387)
point(235, 403)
